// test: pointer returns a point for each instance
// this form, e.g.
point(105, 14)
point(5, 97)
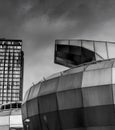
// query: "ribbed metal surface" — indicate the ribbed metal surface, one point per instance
point(75, 100)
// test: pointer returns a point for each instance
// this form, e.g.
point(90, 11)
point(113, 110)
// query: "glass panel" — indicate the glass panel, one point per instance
point(101, 50)
point(98, 57)
point(88, 44)
point(111, 50)
point(75, 42)
point(14, 105)
point(8, 106)
point(19, 105)
point(62, 42)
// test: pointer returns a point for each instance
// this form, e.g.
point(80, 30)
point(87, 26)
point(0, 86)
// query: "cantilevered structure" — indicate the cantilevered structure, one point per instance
point(80, 98)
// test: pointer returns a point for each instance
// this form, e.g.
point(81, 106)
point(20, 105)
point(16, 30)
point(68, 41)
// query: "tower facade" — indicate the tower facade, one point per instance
point(11, 70)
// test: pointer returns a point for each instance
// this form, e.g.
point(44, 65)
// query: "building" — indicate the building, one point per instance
point(80, 98)
point(10, 116)
point(11, 70)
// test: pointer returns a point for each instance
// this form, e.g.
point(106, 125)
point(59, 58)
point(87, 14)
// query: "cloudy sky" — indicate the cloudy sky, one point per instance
point(39, 22)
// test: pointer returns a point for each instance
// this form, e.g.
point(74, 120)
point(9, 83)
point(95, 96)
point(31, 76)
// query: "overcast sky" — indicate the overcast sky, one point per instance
point(39, 22)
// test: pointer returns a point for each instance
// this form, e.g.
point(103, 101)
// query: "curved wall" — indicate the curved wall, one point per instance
point(78, 99)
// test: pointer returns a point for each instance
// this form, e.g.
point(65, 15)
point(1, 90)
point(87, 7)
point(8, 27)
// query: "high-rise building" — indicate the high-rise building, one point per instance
point(11, 70)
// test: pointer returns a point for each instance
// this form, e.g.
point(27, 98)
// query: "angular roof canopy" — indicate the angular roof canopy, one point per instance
point(71, 53)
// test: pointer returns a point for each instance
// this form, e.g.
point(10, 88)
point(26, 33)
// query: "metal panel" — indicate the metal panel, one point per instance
point(34, 91)
point(16, 121)
point(99, 95)
point(48, 87)
point(113, 86)
point(76, 129)
point(72, 118)
point(100, 65)
point(53, 76)
point(102, 128)
point(50, 121)
point(26, 96)
point(69, 99)
point(97, 77)
point(32, 107)
point(4, 127)
point(4, 120)
point(24, 111)
point(113, 75)
point(35, 123)
point(5, 113)
point(70, 82)
point(74, 70)
point(99, 116)
point(47, 103)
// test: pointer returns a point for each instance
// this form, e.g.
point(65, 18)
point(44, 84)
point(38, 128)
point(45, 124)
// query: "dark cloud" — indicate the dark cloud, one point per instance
point(39, 22)
point(86, 15)
point(75, 18)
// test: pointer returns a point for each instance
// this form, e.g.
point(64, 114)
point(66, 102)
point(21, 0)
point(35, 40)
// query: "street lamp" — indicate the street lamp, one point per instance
point(27, 121)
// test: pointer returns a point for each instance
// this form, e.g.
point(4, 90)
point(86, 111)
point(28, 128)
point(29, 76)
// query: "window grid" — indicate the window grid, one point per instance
point(11, 71)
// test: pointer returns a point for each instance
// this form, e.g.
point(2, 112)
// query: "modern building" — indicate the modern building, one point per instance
point(11, 70)
point(80, 98)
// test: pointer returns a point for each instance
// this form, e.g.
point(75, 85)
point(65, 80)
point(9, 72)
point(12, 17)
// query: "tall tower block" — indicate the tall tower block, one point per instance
point(11, 70)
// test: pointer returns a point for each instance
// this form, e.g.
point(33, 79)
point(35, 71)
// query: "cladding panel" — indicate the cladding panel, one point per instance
point(69, 99)
point(97, 77)
point(48, 87)
point(16, 121)
point(70, 82)
point(4, 127)
point(50, 121)
point(72, 118)
point(34, 91)
point(48, 103)
point(98, 95)
point(24, 111)
point(4, 120)
point(99, 116)
point(35, 123)
point(102, 128)
point(32, 107)
point(100, 65)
